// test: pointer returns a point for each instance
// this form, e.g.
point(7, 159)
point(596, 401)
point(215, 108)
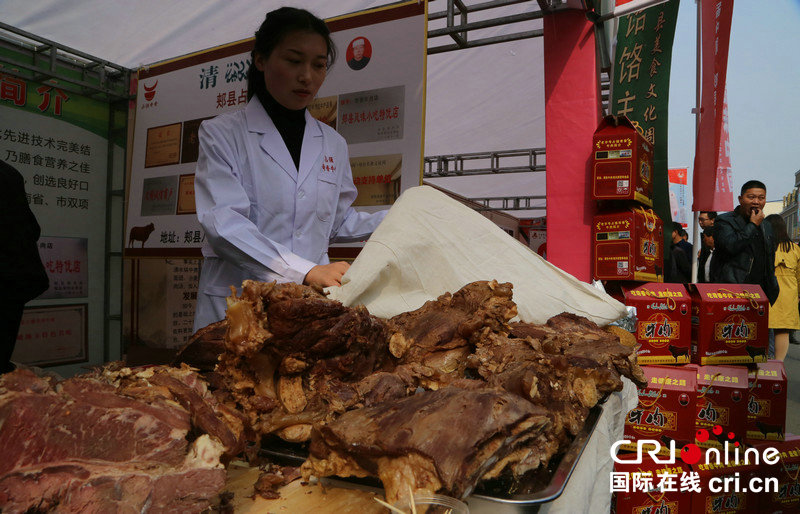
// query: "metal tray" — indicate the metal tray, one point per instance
point(533, 489)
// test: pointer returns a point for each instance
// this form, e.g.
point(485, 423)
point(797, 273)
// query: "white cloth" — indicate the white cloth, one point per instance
point(430, 244)
point(264, 219)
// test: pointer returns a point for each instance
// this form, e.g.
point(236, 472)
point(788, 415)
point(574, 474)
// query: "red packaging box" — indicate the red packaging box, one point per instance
point(622, 163)
point(653, 502)
point(730, 485)
point(785, 497)
point(663, 328)
point(628, 245)
point(721, 400)
point(666, 411)
point(730, 324)
point(766, 402)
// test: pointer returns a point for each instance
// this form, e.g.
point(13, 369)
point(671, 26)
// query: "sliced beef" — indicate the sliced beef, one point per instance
point(110, 440)
point(445, 439)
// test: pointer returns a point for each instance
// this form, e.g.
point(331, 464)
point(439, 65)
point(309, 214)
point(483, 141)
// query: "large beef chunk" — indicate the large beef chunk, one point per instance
point(570, 334)
point(434, 440)
point(293, 357)
point(114, 440)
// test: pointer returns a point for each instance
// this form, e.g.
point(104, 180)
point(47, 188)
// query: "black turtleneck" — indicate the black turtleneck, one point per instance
point(290, 124)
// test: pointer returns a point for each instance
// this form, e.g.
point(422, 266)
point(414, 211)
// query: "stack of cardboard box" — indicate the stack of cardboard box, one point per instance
point(711, 394)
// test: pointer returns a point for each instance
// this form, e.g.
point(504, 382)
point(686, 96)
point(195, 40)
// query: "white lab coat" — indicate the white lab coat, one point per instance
point(264, 219)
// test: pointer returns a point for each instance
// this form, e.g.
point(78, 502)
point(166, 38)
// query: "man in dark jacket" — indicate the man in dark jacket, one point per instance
point(22, 276)
point(704, 259)
point(744, 246)
point(681, 257)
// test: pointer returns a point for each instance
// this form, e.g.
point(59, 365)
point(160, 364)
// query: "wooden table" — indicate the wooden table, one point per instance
point(318, 496)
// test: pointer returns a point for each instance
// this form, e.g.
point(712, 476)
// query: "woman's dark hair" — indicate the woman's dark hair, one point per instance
point(782, 239)
point(277, 25)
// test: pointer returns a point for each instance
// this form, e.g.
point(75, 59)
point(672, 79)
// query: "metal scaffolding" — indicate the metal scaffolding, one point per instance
point(458, 26)
point(510, 203)
point(484, 163)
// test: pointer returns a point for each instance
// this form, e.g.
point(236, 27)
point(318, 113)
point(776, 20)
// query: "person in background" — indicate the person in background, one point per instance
point(681, 259)
point(744, 246)
point(783, 315)
point(273, 186)
point(22, 275)
point(706, 219)
point(684, 243)
point(706, 251)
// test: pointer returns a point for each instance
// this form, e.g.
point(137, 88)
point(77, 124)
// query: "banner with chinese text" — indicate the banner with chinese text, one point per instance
point(373, 96)
point(677, 196)
point(723, 189)
point(715, 33)
point(58, 141)
point(640, 87)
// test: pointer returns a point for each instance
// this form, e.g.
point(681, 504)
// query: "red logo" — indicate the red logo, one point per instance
point(150, 92)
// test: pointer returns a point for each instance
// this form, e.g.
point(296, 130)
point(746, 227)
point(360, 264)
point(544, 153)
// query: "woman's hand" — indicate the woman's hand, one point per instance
point(326, 275)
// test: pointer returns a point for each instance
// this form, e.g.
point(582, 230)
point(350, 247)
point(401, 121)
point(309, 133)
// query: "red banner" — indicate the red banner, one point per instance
point(572, 113)
point(716, 18)
point(723, 192)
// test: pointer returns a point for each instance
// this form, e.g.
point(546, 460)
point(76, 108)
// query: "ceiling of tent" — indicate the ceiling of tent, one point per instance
point(480, 99)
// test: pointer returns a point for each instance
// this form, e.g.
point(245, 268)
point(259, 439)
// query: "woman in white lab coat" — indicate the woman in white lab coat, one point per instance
point(273, 186)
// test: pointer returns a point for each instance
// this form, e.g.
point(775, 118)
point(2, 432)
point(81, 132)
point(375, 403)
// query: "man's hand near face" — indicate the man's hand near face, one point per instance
point(756, 216)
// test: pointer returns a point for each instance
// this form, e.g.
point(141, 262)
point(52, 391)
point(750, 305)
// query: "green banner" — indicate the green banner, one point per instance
point(52, 101)
point(640, 90)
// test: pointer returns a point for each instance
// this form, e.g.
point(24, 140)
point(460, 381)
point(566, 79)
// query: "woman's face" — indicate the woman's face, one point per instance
point(295, 69)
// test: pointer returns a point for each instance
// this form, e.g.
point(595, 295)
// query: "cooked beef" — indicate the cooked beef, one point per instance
point(450, 321)
point(570, 334)
point(203, 348)
point(107, 441)
point(273, 478)
point(445, 439)
point(291, 352)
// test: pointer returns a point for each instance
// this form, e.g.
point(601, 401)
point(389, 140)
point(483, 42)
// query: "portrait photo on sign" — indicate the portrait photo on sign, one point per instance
point(359, 52)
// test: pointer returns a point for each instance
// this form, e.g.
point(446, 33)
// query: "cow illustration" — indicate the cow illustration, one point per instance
point(755, 352)
point(677, 351)
point(770, 429)
point(140, 234)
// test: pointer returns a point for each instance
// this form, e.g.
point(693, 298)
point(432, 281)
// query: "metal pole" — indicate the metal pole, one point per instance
point(695, 231)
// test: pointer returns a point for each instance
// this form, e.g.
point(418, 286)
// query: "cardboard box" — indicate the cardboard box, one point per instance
point(622, 162)
point(667, 409)
point(663, 327)
point(766, 402)
point(652, 502)
point(628, 245)
point(735, 477)
point(730, 323)
point(721, 400)
point(786, 496)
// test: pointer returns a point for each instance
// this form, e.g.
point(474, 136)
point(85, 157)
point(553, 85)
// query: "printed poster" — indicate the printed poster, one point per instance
point(53, 335)
point(66, 260)
point(373, 95)
point(58, 141)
